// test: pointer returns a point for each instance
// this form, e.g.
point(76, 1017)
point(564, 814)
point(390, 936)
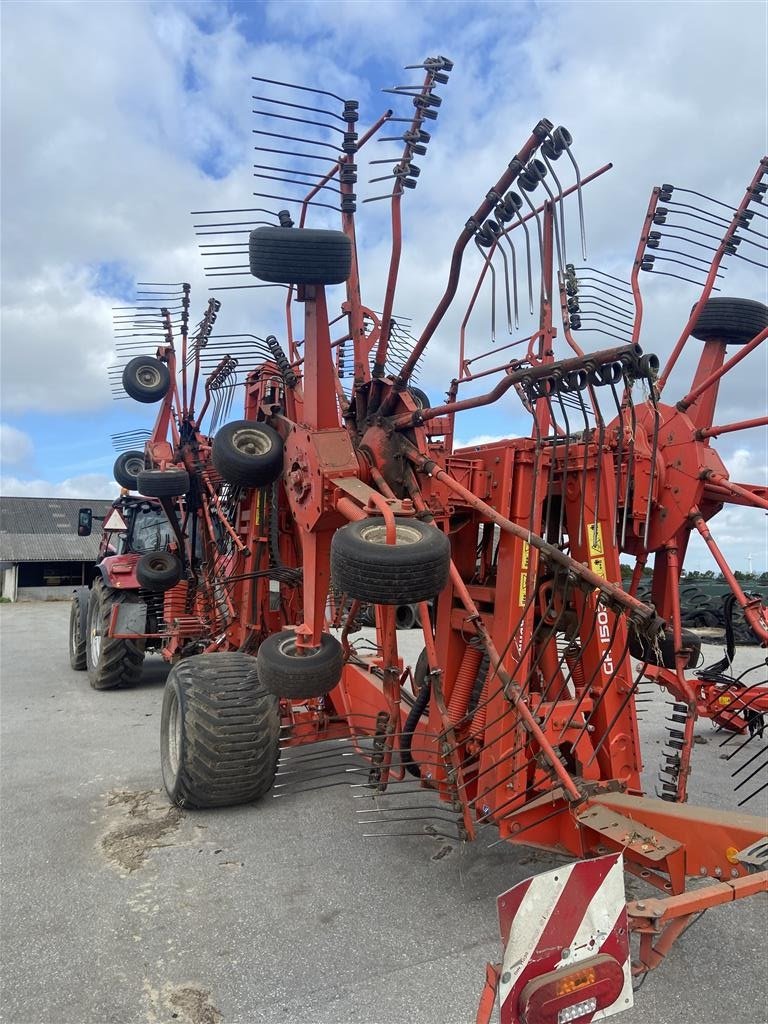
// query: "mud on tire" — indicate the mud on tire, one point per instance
point(110, 662)
point(219, 732)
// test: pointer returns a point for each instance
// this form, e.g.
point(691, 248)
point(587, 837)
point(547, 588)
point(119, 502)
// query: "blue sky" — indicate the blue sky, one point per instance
point(118, 119)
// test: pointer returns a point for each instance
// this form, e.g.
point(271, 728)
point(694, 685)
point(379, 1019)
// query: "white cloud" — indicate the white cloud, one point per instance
point(479, 439)
point(89, 485)
point(16, 447)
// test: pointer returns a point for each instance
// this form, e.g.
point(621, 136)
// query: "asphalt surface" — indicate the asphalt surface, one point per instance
point(117, 909)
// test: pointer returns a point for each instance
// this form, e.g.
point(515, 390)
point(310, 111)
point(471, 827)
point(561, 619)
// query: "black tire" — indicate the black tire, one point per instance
point(644, 650)
point(405, 616)
point(300, 255)
point(421, 398)
point(127, 468)
point(162, 483)
point(289, 674)
point(414, 569)
point(78, 632)
point(146, 379)
point(734, 321)
point(219, 732)
point(158, 571)
point(248, 454)
point(110, 662)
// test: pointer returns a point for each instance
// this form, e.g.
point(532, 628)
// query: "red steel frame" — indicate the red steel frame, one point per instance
point(550, 751)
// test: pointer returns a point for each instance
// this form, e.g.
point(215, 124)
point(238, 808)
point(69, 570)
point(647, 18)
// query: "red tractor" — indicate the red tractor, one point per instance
point(522, 712)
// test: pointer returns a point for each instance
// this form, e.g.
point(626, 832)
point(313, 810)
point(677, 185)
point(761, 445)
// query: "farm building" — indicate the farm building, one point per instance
point(41, 555)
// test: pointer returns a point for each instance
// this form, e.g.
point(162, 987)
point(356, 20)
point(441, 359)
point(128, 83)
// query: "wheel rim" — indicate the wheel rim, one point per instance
point(376, 533)
point(134, 466)
point(148, 376)
point(287, 647)
point(95, 644)
point(174, 734)
point(251, 442)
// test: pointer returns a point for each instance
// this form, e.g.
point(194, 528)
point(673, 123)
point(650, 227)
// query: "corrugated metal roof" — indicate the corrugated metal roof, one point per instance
point(45, 529)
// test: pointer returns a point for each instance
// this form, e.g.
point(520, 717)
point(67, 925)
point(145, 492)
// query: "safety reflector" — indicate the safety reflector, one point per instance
point(566, 945)
point(568, 995)
point(115, 522)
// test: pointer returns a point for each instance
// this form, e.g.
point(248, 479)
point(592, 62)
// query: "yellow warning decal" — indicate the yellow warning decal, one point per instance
point(595, 535)
point(596, 551)
point(524, 573)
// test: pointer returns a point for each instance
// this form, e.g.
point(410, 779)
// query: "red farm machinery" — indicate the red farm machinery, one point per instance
point(343, 487)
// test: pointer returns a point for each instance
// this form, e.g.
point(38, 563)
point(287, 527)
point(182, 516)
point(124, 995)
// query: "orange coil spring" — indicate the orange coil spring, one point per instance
point(478, 722)
point(175, 603)
point(575, 665)
point(465, 680)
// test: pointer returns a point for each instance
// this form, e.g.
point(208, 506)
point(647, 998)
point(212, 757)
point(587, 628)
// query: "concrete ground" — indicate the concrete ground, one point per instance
point(117, 909)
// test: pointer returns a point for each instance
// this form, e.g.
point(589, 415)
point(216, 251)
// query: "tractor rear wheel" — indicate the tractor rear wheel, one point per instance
point(127, 468)
point(734, 321)
point(162, 483)
point(219, 732)
point(146, 379)
point(288, 671)
point(110, 662)
point(158, 571)
point(415, 568)
point(78, 633)
point(300, 255)
point(248, 454)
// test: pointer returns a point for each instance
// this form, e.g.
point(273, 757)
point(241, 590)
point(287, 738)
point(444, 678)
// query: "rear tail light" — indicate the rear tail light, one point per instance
point(572, 994)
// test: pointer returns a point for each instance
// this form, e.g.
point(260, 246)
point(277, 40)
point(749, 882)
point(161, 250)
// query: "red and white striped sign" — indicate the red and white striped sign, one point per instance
point(553, 923)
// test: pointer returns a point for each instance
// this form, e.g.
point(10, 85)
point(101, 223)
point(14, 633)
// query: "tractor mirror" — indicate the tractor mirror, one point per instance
point(84, 522)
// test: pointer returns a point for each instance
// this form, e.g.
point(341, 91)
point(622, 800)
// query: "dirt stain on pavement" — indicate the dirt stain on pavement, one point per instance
point(148, 819)
point(185, 1004)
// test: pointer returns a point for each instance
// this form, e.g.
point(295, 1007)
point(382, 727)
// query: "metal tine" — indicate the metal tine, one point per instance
point(602, 288)
point(300, 120)
point(290, 791)
point(297, 199)
point(239, 209)
point(298, 106)
point(559, 201)
point(299, 138)
point(506, 237)
point(292, 181)
point(528, 182)
point(564, 136)
point(603, 305)
point(442, 818)
point(487, 257)
point(301, 88)
point(746, 764)
point(527, 250)
point(427, 831)
point(753, 795)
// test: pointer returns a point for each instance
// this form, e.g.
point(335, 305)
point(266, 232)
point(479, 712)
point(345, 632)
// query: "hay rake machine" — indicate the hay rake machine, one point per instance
point(522, 711)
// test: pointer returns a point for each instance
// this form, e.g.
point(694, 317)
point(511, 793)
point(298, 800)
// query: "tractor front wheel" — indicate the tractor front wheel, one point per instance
point(415, 568)
point(78, 631)
point(219, 732)
point(290, 671)
point(110, 662)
